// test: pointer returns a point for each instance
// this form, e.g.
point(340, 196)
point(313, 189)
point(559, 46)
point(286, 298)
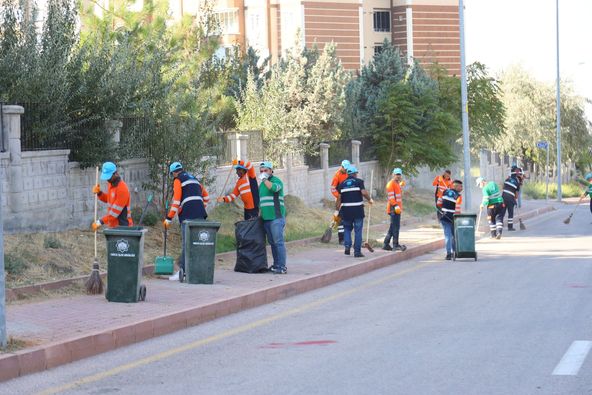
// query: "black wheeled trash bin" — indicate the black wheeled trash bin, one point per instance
point(125, 259)
point(464, 236)
point(200, 252)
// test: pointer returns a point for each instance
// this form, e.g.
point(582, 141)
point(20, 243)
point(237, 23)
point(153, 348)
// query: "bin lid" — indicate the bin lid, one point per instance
point(469, 215)
point(202, 224)
point(125, 231)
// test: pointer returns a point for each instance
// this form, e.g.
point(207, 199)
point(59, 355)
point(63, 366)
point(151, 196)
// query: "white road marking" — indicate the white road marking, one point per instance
point(573, 359)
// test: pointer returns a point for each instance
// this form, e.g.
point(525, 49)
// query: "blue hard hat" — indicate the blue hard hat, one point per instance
point(397, 170)
point(588, 177)
point(267, 164)
point(175, 166)
point(108, 169)
point(351, 169)
point(345, 163)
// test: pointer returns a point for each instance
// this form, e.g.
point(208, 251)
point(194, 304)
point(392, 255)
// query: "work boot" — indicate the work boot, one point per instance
point(174, 277)
point(358, 255)
point(400, 247)
point(499, 234)
point(493, 234)
point(347, 251)
point(511, 228)
point(448, 257)
point(387, 247)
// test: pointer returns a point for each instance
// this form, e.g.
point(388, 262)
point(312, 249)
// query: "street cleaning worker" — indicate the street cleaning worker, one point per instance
point(351, 204)
point(119, 212)
point(273, 213)
point(510, 194)
point(492, 199)
point(338, 178)
point(190, 199)
point(449, 204)
point(442, 183)
point(394, 208)
point(588, 191)
point(246, 187)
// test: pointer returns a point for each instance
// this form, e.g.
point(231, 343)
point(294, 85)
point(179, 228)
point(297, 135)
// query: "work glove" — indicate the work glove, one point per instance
point(371, 201)
point(220, 199)
point(336, 216)
point(402, 183)
point(96, 225)
point(166, 223)
point(96, 189)
point(263, 176)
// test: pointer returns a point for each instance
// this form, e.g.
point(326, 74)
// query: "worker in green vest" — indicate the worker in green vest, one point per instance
point(273, 213)
point(496, 209)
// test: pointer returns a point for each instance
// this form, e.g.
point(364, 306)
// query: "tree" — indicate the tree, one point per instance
point(301, 102)
point(531, 117)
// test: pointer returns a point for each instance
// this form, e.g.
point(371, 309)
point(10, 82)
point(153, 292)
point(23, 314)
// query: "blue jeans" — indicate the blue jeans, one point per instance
point(355, 225)
point(274, 230)
point(448, 234)
point(393, 231)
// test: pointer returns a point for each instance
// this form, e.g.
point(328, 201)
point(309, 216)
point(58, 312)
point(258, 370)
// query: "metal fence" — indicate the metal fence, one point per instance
point(367, 150)
point(338, 151)
point(2, 146)
point(313, 160)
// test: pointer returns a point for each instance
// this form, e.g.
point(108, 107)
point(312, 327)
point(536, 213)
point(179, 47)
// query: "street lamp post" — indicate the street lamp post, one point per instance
point(465, 109)
point(559, 194)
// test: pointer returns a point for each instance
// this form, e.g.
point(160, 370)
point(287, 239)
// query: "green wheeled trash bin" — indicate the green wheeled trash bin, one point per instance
point(125, 259)
point(464, 236)
point(200, 252)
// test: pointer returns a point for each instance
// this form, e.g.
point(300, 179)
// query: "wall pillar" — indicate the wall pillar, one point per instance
point(12, 131)
point(243, 147)
point(324, 147)
point(355, 147)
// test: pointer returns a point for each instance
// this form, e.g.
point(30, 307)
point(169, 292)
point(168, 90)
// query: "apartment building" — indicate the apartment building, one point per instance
point(425, 30)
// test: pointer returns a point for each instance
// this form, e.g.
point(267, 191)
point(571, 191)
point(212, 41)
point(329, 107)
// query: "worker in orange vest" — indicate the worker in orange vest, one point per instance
point(394, 208)
point(442, 183)
point(339, 177)
point(246, 187)
point(117, 197)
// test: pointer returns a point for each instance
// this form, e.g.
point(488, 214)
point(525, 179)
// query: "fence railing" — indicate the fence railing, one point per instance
point(338, 151)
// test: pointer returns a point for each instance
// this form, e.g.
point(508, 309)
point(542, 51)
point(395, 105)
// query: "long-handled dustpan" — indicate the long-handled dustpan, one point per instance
point(164, 264)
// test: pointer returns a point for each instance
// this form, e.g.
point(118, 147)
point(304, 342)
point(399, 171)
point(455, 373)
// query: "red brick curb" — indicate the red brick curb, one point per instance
point(54, 354)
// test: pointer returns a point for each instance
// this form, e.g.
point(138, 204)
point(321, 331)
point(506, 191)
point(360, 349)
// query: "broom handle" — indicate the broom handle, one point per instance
point(370, 206)
point(227, 178)
point(96, 205)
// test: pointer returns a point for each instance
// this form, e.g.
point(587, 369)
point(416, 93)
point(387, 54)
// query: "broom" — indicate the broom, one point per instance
point(568, 219)
point(94, 284)
point(367, 243)
point(326, 237)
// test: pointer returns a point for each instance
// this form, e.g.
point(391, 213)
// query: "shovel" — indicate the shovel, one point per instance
point(164, 264)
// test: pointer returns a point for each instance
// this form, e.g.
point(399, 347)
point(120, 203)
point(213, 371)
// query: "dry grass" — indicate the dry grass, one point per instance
point(42, 257)
point(15, 344)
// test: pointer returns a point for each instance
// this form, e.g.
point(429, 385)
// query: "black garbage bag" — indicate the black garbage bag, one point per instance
point(251, 256)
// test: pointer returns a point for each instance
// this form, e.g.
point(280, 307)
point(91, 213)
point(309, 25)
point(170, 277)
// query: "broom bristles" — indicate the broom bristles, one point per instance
point(567, 220)
point(94, 284)
point(522, 226)
point(326, 238)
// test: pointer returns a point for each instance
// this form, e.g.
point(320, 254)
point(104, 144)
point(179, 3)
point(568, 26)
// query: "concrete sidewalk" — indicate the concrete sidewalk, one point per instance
point(67, 329)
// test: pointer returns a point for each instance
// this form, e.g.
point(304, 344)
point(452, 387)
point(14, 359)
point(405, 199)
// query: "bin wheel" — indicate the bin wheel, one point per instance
point(142, 292)
point(475, 257)
point(181, 275)
point(106, 293)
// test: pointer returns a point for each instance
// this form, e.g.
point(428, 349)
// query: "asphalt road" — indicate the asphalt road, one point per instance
point(518, 321)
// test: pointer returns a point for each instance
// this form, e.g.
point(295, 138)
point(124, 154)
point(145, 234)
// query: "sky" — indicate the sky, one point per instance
point(500, 33)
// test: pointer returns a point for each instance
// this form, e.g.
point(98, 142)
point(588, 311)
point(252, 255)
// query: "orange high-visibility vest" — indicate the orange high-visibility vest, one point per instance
point(394, 195)
point(442, 184)
point(338, 179)
point(243, 188)
point(119, 211)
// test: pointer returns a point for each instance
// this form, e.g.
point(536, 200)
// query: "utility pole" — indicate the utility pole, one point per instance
point(3, 340)
point(559, 194)
point(465, 109)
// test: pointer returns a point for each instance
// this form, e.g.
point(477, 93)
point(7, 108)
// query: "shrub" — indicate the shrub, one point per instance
point(151, 217)
point(537, 190)
point(51, 242)
point(14, 264)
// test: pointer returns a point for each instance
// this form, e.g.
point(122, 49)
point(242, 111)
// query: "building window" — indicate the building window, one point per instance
point(228, 21)
point(377, 49)
point(382, 21)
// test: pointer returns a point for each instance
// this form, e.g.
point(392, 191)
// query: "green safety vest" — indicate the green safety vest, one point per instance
point(491, 194)
point(271, 201)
